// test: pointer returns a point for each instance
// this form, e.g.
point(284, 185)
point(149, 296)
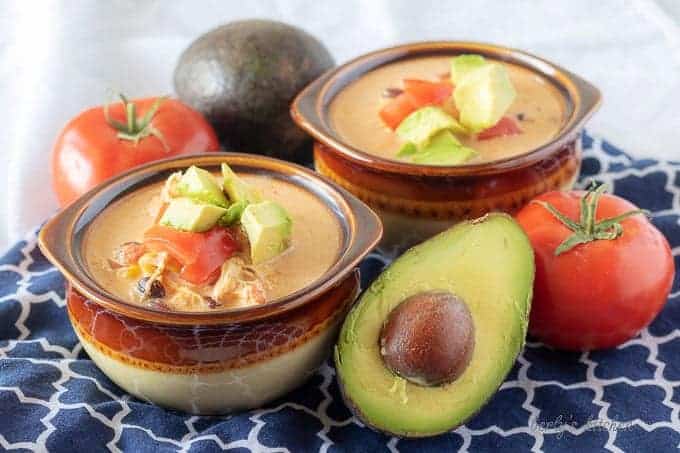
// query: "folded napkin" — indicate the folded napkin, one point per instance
point(628, 399)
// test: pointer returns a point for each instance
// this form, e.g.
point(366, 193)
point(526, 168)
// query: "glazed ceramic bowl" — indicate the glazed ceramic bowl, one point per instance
point(417, 201)
point(217, 361)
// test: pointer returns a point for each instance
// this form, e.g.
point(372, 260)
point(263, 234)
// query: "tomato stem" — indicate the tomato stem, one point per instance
point(135, 129)
point(587, 229)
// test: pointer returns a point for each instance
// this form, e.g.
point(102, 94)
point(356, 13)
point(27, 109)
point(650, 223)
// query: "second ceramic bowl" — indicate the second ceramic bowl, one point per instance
point(417, 201)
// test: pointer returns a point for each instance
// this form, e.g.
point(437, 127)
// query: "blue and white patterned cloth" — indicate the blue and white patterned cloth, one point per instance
point(52, 397)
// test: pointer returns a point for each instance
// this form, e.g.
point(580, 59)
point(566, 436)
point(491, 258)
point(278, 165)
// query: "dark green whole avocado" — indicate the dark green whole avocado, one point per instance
point(243, 76)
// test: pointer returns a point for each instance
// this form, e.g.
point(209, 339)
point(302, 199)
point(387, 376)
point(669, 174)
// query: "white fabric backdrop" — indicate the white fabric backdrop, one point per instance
point(58, 58)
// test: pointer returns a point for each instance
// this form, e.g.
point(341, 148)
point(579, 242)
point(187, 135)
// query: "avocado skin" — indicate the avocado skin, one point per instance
point(242, 77)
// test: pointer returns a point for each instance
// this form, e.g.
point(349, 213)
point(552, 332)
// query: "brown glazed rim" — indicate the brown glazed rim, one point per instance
point(311, 106)
point(60, 238)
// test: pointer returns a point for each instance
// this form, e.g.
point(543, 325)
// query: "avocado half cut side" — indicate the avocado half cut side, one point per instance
point(484, 265)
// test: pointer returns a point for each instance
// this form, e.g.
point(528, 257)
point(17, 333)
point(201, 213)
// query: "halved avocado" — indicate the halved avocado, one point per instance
point(434, 336)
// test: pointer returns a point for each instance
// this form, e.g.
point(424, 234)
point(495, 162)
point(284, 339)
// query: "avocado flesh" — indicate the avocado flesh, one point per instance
point(444, 149)
point(268, 228)
point(420, 126)
point(462, 65)
point(186, 214)
point(233, 213)
point(489, 264)
point(237, 189)
point(200, 185)
point(483, 96)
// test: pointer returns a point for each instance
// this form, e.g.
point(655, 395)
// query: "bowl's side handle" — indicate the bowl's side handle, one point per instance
point(590, 99)
point(367, 230)
point(56, 236)
point(307, 107)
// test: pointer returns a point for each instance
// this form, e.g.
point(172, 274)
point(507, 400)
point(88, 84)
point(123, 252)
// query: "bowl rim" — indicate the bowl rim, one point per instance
point(309, 109)
point(57, 237)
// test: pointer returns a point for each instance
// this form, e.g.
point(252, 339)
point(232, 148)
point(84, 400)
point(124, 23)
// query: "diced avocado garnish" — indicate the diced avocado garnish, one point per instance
point(425, 122)
point(268, 227)
point(200, 185)
point(462, 65)
point(188, 215)
point(407, 149)
point(237, 189)
point(483, 96)
point(444, 149)
point(233, 213)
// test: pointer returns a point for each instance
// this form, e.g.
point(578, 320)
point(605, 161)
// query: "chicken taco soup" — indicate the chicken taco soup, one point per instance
point(444, 110)
point(201, 241)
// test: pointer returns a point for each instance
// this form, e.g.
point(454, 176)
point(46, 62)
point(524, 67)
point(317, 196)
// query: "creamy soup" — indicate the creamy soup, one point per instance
point(538, 110)
point(314, 243)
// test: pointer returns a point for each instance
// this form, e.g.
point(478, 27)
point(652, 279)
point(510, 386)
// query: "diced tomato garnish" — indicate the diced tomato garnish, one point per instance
point(181, 245)
point(423, 92)
point(200, 254)
point(506, 126)
point(417, 94)
point(396, 110)
point(219, 246)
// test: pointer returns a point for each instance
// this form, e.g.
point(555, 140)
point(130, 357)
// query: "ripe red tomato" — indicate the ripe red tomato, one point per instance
point(609, 285)
point(92, 148)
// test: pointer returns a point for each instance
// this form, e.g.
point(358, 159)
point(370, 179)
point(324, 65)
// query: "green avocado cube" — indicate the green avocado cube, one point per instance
point(268, 227)
point(238, 189)
point(233, 213)
point(483, 96)
point(200, 185)
point(444, 149)
point(462, 65)
point(407, 149)
point(425, 122)
point(188, 215)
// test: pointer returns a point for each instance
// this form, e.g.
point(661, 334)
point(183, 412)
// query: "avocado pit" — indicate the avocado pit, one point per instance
point(428, 339)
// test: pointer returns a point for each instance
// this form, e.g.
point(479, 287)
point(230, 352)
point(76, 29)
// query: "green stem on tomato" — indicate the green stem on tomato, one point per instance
point(587, 229)
point(135, 129)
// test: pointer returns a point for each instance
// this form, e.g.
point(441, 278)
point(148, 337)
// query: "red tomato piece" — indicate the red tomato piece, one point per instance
point(181, 245)
point(200, 254)
point(506, 126)
point(423, 92)
point(600, 293)
point(218, 247)
point(396, 110)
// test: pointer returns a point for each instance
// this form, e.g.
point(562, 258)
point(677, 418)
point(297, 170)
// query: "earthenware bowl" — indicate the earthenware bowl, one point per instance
point(417, 201)
point(217, 361)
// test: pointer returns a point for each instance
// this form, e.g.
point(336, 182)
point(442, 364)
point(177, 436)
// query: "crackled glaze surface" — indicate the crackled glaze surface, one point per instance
point(212, 369)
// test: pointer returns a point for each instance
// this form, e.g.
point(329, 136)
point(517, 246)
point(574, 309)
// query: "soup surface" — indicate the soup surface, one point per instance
point(314, 244)
point(538, 109)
